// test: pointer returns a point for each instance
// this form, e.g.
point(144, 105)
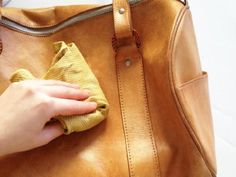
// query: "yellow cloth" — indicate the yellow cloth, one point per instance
point(70, 66)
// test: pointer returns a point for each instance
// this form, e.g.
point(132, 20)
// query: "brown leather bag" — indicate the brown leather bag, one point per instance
point(147, 63)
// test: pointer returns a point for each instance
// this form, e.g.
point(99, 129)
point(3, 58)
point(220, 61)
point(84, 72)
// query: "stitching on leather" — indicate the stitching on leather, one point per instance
point(181, 91)
point(197, 79)
point(189, 128)
point(171, 80)
point(147, 116)
point(144, 2)
point(154, 147)
point(130, 164)
point(189, 121)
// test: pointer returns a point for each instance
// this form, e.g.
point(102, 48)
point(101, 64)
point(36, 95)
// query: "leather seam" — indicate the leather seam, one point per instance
point(197, 79)
point(173, 89)
point(184, 100)
point(147, 116)
point(154, 146)
point(123, 118)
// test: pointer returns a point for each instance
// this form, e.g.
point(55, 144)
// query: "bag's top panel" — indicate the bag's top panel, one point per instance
point(45, 17)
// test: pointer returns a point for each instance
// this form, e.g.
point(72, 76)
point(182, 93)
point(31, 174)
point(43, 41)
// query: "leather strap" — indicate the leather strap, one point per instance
point(141, 149)
point(140, 145)
point(122, 22)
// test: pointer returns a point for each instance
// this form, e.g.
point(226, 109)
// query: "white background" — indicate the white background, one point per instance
point(215, 26)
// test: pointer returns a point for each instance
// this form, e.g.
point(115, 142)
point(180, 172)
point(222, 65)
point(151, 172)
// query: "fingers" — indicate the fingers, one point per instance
point(41, 82)
point(50, 132)
point(59, 83)
point(54, 88)
point(67, 107)
point(65, 92)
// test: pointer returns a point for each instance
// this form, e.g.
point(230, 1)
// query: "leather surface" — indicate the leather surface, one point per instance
point(192, 89)
point(195, 102)
point(181, 150)
point(45, 17)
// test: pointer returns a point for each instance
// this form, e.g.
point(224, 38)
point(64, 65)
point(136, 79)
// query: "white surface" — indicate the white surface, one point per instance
point(215, 26)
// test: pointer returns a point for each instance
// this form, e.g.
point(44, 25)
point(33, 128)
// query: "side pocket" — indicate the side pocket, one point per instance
point(194, 99)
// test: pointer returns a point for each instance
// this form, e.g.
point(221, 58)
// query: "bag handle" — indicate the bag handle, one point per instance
point(124, 32)
point(122, 19)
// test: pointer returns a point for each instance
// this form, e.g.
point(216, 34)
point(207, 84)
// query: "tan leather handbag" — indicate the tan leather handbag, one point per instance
point(145, 57)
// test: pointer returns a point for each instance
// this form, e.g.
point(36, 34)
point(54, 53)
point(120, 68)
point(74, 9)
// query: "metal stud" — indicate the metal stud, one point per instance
point(121, 10)
point(128, 62)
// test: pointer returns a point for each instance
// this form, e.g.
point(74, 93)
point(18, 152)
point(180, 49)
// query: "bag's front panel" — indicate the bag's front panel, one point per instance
point(101, 151)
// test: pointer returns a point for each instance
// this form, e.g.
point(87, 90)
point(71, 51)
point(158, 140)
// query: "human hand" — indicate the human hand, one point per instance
point(28, 105)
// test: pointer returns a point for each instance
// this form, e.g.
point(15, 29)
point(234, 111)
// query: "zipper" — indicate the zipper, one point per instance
point(46, 31)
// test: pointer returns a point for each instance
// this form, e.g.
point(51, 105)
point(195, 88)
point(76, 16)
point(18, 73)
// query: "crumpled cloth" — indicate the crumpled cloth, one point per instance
point(70, 66)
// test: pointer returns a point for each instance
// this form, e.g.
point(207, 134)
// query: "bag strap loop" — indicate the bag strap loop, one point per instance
point(124, 32)
point(122, 19)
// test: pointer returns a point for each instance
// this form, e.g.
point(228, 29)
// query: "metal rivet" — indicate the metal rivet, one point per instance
point(128, 62)
point(121, 10)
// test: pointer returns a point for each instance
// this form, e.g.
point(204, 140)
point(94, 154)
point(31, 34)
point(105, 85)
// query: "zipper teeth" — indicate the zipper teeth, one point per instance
point(50, 30)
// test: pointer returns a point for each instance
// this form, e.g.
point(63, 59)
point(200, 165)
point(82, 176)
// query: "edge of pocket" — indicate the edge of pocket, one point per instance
point(194, 99)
